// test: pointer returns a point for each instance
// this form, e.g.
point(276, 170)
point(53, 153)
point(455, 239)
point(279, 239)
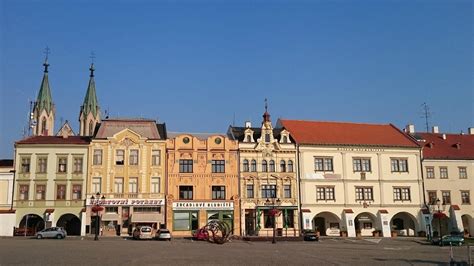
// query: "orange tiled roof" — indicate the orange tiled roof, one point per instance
point(342, 133)
point(455, 146)
point(75, 140)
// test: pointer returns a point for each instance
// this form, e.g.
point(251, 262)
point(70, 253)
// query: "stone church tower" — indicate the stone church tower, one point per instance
point(44, 110)
point(89, 115)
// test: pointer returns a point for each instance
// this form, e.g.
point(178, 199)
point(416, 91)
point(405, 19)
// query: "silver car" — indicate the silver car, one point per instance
point(52, 232)
point(163, 234)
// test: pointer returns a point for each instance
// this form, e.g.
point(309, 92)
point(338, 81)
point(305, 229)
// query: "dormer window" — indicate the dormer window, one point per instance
point(248, 138)
point(267, 137)
point(284, 139)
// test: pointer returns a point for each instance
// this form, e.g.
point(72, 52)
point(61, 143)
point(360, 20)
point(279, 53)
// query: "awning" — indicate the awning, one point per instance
point(49, 211)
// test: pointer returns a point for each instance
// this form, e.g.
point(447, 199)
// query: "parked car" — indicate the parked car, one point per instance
point(143, 232)
point(310, 236)
point(201, 234)
point(448, 240)
point(52, 232)
point(163, 234)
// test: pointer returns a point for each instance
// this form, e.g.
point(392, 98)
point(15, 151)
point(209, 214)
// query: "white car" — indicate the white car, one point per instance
point(163, 234)
point(52, 232)
point(143, 232)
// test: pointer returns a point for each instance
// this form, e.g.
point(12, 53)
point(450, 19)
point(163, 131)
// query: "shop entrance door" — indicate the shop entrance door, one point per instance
point(250, 218)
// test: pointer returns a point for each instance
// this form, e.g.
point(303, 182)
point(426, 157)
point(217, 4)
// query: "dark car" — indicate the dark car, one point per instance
point(448, 240)
point(310, 236)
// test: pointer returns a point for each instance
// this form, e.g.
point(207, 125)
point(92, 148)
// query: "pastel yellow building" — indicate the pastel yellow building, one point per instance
point(126, 175)
point(202, 182)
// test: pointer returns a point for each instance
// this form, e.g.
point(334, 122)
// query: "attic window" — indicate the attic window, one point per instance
point(430, 145)
point(457, 145)
point(267, 137)
point(248, 138)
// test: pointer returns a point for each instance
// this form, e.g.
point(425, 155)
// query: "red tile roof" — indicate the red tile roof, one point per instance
point(342, 133)
point(74, 140)
point(454, 147)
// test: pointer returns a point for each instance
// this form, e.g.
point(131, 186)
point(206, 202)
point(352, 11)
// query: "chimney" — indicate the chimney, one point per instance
point(410, 129)
point(470, 131)
point(248, 124)
point(444, 136)
point(435, 129)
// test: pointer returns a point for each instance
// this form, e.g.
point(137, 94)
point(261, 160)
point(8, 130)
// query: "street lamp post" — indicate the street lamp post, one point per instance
point(96, 208)
point(439, 214)
point(273, 203)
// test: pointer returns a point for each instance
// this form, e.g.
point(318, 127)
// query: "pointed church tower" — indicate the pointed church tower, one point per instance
point(44, 110)
point(90, 111)
point(267, 128)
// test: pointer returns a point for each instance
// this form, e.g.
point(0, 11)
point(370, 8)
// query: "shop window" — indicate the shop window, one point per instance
point(288, 218)
point(111, 209)
point(185, 221)
point(367, 225)
point(147, 209)
point(267, 219)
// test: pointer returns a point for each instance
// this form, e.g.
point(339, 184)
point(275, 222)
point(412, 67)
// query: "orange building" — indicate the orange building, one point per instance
point(203, 183)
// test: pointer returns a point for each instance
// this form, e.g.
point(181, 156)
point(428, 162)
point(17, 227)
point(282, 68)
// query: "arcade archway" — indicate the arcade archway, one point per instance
point(365, 224)
point(31, 223)
point(71, 223)
point(404, 224)
point(327, 223)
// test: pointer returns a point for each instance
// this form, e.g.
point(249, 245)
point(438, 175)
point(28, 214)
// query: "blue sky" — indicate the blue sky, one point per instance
point(196, 64)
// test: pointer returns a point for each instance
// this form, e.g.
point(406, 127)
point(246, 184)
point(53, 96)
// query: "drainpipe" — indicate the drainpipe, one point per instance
point(14, 176)
point(298, 176)
point(239, 189)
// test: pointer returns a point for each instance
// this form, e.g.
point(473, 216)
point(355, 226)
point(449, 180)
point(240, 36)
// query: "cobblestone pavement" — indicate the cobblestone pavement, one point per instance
point(118, 251)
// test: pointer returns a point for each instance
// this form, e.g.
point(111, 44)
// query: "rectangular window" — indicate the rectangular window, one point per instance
point(97, 160)
point(185, 166)
point(25, 165)
point(118, 185)
point(40, 192)
point(119, 157)
point(287, 191)
point(185, 192)
point(133, 185)
point(401, 194)
point(364, 193)
point(218, 192)
point(288, 219)
point(325, 193)
point(111, 209)
point(323, 164)
point(399, 165)
point(361, 165)
point(430, 173)
point(147, 209)
point(61, 192)
point(62, 164)
point(432, 196)
point(76, 192)
point(42, 165)
point(462, 172)
point(155, 185)
point(446, 197)
point(156, 157)
point(250, 191)
point(133, 157)
point(218, 166)
point(443, 172)
point(185, 221)
point(465, 197)
point(24, 192)
point(77, 165)
point(268, 191)
point(96, 184)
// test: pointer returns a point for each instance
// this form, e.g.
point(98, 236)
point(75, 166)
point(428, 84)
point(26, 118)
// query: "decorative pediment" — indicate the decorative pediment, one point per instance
point(127, 137)
point(65, 130)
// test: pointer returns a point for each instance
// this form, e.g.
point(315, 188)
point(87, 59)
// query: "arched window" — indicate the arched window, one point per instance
point(264, 166)
point(290, 166)
point(282, 166)
point(272, 166)
point(248, 138)
point(253, 166)
point(285, 139)
point(43, 129)
point(91, 132)
point(246, 165)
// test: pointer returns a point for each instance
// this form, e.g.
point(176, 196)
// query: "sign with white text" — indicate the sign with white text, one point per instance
point(126, 202)
point(206, 205)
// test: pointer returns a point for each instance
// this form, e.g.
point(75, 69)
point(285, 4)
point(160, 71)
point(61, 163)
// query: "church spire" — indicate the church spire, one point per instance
point(90, 112)
point(44, 107)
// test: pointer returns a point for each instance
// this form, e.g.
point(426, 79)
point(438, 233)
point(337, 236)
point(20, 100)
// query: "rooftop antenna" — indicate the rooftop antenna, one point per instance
point(426, 115)
point(31, 118)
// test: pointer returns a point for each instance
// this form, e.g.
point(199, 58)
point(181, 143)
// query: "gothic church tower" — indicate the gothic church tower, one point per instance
point(89, 115)
point(44, 110)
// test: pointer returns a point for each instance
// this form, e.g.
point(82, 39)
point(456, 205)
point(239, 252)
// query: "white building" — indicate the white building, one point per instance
point(7, 213)
point(358, 179)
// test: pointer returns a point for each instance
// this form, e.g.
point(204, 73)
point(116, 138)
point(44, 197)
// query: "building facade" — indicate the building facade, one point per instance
point(448, 169)
point(7, 213)
point(358, 179)
point(126, 176)
point(50, 183)
point(202, 178)
point(267, 179)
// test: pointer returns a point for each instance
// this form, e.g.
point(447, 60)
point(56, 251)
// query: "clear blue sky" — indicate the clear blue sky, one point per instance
point(194, 64)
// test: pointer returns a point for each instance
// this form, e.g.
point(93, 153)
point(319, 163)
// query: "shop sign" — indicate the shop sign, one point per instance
point(192, 205)
point(125, 202)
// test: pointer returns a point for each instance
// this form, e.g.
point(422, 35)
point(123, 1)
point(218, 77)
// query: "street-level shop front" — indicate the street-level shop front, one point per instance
point(120, 216)
point(188, 216)
point(259, 221)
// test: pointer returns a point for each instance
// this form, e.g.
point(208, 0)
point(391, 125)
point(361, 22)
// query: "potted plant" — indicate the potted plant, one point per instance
point(394, 233)
point(358, 233)
point(343, 232)
point(377, 233)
